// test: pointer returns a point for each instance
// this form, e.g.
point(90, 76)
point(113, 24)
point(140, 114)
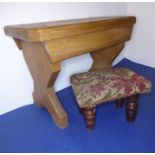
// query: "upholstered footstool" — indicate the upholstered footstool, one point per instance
point(95, 87)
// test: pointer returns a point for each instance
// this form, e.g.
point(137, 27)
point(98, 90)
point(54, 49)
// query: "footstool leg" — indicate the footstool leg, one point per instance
point(119, 103)
point(90, 117)
point(131, 108)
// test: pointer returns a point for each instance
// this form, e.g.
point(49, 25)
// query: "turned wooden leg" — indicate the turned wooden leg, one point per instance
point(119, 103)
point(89, 114)
point(131, 108)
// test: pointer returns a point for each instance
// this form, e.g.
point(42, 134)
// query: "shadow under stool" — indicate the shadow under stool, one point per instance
point(97, 87)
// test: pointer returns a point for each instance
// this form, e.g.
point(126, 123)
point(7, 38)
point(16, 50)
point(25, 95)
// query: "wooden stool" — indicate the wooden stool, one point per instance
point(96, 87)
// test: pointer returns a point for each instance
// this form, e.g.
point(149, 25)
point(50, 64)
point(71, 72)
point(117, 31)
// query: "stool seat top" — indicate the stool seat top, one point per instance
point(94, 87)
point(64, 28)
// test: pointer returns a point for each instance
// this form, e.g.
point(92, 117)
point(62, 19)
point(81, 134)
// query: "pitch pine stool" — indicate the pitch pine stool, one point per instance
point(96, 87)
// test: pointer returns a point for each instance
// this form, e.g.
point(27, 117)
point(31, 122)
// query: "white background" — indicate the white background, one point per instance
point(141, 49)
point(16, 84)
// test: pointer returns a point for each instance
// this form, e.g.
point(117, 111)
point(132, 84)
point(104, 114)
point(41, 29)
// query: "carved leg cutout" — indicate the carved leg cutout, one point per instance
point(131, 108)
point(50, 101)
point(90, 116)
point(119, 103)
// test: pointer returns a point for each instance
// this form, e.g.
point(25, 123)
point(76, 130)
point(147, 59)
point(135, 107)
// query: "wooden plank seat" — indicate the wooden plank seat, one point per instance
point(95, 87)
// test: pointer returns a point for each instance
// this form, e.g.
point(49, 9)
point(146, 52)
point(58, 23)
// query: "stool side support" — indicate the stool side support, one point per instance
point(104, 57)
point(44, 74)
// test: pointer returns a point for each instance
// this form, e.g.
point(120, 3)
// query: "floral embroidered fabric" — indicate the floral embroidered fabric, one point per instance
point(95, 87)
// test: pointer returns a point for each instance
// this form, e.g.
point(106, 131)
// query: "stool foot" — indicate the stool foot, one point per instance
point(90, 116)
point(131, 108)
point(119, 103)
